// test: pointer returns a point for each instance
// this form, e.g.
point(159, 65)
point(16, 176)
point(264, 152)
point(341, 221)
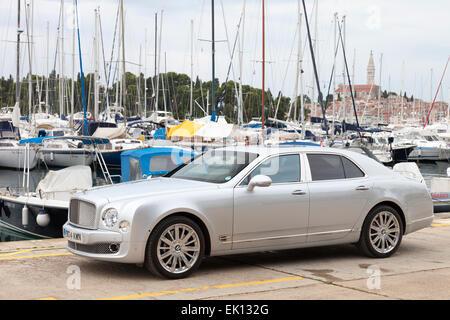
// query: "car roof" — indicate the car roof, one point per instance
point(271, 150)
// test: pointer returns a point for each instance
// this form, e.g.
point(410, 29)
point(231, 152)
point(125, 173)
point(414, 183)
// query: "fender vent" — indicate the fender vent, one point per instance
point(224, 238)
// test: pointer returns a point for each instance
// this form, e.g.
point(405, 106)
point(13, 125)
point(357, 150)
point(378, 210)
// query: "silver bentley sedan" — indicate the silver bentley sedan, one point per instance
point(245, 199)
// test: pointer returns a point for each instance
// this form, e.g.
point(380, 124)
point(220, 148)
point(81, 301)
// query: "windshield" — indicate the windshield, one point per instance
point(215, 166)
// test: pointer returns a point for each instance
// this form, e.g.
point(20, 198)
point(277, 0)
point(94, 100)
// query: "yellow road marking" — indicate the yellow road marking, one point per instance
point(233, 285)
point(440, 224)
point(37, 256)
point(49, 298)
point(14, 253)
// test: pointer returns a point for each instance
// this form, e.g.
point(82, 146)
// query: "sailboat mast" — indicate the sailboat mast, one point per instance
point(334, 73)
point(353, 80)
point(72, 95)
point(155, 94)
point(302, 95)
point(241, 61)
point(344, 91)
point(263, 69)
point(139, 84)
point(299, 50)
point(96, 60)
point(19, 31)
point(30, 72)
point(119, 79)
point(145, 79)
point(61, 58)
point(48, 70)
point(163, 84)
point(159, 60)
point(213, 100)
point(124, 75)
point(191, 102)
point(314, 105)
point(38, 89)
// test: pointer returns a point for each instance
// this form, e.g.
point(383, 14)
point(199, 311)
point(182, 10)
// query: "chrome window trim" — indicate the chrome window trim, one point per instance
point(238, 185)
point(330, 180)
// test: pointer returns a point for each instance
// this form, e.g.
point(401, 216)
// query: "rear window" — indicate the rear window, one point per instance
point(332, 167)
point(326, 167)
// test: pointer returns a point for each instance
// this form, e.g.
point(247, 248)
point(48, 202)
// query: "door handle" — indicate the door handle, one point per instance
point(362, 188)
point(299, 193)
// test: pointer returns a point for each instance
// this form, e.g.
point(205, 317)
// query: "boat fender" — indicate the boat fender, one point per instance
point(52, 156)
point(25, 216)
point(43, 218)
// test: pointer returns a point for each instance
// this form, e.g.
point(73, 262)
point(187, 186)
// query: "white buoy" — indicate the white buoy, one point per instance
point(25, 216)
point(43, 219)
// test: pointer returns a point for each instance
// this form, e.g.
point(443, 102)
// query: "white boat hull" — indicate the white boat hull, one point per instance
point(13, 157)
point(66, 158)
point(430, 154)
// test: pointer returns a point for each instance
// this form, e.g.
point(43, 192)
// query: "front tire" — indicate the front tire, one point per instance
point(382, 233)
point(175, 248)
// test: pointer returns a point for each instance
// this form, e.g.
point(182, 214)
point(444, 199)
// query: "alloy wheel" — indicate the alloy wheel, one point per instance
point(178, 248)
point(384, 232)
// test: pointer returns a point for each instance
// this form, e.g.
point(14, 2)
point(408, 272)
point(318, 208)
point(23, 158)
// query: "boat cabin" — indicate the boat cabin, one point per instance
point(155, 161)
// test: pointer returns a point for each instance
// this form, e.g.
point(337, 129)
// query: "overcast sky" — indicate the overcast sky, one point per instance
point(412, 35)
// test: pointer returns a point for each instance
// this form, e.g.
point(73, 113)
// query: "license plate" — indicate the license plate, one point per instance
point(73, 236)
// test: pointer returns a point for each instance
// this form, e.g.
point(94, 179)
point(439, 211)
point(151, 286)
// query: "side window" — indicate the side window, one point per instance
point(351, 169)
point(283, 169)
point(326, 167)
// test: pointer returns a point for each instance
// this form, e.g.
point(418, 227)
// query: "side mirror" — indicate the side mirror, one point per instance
point(259, 181)
point(391, 140)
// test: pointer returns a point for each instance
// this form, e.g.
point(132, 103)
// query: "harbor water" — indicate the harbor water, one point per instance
point(12, 179)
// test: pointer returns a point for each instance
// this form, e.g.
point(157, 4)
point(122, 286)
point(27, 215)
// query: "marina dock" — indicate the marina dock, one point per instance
point(44, 269)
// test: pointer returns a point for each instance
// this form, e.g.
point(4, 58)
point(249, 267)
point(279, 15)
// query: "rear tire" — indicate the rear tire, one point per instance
point(382, 233)
point(175, 248)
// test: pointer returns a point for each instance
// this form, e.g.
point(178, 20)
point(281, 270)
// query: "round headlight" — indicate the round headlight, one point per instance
point(110, 217)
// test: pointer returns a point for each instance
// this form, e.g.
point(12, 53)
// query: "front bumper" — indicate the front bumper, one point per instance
point(101, 244)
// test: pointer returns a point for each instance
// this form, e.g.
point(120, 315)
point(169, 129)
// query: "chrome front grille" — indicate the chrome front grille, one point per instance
point(82, 213)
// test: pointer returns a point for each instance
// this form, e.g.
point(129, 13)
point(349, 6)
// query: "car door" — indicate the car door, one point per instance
point(339, 191)
point(276, 215)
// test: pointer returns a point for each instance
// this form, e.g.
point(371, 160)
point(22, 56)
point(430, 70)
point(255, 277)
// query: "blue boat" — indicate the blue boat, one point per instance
point(155, 161)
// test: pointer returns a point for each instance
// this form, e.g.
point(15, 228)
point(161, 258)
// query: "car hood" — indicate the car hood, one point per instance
point(138, 189)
